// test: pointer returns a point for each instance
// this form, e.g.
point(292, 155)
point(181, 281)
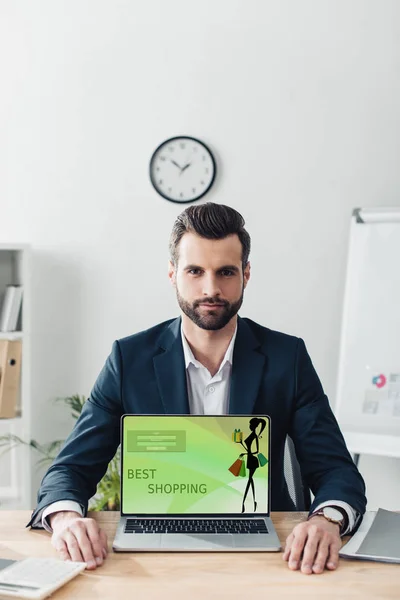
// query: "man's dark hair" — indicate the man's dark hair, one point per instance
point(211, 221)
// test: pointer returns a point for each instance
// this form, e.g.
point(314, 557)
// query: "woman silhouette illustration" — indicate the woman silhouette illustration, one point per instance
point(252, 461)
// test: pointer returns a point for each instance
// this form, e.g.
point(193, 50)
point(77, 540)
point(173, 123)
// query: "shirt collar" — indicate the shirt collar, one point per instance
point(190, 359)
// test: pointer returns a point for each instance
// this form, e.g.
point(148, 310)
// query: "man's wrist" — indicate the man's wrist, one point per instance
point(60, 516)
point(333, 514)
point(321, 519)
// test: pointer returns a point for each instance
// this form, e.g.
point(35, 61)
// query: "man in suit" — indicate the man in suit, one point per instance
point(209, 361)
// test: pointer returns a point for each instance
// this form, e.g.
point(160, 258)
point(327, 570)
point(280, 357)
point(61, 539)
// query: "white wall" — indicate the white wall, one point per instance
point(299, 99)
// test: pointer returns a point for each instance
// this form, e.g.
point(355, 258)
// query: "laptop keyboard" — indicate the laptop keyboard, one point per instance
point(195, 526)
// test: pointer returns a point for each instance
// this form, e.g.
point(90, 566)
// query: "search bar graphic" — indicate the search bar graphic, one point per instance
point(156, 441)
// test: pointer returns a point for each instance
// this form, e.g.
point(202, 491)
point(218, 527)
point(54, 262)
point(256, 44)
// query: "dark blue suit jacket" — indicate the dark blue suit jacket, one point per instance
point(272, 374)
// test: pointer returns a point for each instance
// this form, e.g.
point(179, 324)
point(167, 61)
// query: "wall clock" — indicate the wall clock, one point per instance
point(182, 169)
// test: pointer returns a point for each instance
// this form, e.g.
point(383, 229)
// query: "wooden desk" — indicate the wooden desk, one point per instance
point(207, 575)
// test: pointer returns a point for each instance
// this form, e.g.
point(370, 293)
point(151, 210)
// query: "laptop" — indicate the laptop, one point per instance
point(185, 487)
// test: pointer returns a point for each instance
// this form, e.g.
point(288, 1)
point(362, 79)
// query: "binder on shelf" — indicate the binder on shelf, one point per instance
point(10, 373)
point(6, 308)
point(11, 308)
point(16, 308)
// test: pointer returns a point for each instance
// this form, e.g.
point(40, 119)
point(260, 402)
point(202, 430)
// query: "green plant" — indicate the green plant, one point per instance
point(107, 495)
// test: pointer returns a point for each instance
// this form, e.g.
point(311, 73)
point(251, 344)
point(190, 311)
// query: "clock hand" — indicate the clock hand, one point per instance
point(176, 164)
point(186, 166)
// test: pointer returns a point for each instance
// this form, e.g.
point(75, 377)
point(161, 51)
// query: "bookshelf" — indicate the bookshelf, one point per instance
point(15, 465)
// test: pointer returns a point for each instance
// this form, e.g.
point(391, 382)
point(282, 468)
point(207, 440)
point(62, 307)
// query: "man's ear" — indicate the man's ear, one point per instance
point(172, 273)
point(246, 274)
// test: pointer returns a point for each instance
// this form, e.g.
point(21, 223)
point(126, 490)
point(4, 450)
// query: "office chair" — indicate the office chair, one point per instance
point(298, 490)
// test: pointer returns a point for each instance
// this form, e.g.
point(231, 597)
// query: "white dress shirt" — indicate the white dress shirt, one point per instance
point(207, 395)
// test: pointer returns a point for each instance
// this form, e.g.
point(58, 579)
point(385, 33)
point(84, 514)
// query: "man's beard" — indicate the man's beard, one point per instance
point(213, 319)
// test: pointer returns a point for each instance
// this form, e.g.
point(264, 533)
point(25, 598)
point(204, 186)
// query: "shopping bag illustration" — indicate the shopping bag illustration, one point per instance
point(236, 467)
point(243, 469)
point(261, 459)
point(237, 435)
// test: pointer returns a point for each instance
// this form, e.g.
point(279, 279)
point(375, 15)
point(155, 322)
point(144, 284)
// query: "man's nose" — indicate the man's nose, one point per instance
point(211, 286)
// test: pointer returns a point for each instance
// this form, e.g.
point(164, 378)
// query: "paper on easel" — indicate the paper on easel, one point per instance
point(10, 373)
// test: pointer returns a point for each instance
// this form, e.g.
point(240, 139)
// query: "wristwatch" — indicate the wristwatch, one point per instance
point(333, 515)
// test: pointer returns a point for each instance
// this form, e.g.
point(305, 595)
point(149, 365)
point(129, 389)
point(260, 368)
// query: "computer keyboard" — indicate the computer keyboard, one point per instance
point(37, 578)
point(195, 526)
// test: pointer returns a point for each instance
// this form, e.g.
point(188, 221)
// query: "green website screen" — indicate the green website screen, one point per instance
point(192, 464)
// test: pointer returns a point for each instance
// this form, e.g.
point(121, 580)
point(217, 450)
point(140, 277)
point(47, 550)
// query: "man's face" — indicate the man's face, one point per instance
point(209, 279)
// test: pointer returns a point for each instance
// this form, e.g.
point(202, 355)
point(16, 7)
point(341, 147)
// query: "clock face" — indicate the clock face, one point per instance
point(182, 169)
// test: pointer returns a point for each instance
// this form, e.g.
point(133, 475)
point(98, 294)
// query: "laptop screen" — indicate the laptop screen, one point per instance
point(194, 464)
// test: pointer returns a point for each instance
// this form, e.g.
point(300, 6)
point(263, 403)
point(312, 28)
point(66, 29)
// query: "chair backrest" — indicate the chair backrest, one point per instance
point(298, 490)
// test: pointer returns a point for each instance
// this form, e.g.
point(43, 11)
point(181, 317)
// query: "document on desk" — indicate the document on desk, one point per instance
point(378, 538)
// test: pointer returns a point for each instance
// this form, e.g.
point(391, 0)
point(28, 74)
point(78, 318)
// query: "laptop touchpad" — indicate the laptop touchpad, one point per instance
point(196, 541)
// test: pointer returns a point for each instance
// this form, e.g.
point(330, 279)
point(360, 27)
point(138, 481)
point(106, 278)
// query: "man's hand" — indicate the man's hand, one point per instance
point(78, 538)
point(312, 545)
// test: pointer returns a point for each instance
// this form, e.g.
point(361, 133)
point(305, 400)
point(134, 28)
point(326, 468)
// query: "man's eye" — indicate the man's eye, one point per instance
point(227, 273)
point(194, 271)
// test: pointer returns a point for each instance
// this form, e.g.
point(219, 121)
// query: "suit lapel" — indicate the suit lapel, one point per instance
point(247, 371)
point(170, 371)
